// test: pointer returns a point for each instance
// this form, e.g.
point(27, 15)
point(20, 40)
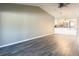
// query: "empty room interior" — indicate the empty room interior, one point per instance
point(39, 29)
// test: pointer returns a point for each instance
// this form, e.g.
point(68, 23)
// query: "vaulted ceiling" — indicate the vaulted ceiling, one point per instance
point(70, 11)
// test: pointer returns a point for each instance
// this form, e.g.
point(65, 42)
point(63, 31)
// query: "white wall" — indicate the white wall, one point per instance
point(20, 22)
point(70, 11)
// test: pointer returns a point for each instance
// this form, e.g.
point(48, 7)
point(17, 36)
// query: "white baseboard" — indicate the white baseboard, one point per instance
point(24, 40)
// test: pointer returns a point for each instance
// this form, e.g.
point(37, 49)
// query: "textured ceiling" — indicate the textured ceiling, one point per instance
point(70, 11)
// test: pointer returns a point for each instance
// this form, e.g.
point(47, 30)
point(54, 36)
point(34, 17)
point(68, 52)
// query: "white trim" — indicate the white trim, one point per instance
point(24, 40)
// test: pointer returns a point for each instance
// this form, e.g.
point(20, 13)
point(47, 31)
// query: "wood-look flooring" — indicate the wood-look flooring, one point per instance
point(51, 45)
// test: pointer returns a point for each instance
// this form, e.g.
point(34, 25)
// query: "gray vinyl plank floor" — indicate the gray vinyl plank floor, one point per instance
point(51, 45)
